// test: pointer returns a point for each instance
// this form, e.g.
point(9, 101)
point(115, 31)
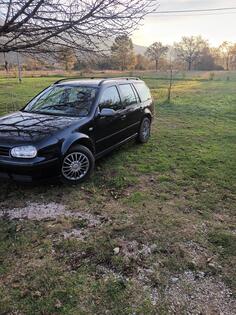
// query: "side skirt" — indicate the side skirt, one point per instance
point(100, 154)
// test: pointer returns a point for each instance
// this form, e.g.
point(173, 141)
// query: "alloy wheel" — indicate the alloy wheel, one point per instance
point(75, 166)
point(146, 129)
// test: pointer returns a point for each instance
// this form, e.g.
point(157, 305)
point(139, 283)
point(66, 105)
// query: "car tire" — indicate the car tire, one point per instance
point(144, 130)
point(77, 165)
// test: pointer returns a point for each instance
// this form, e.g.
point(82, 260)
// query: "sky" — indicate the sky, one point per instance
point(216, 27)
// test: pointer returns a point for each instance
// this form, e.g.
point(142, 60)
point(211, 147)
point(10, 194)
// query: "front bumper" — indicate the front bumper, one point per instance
point(28, 171)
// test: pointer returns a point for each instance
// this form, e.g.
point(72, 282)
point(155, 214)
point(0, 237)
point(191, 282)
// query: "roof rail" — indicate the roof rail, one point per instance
point(73, 78)
point(102, 79)
point(118, 78)
point(61, 80)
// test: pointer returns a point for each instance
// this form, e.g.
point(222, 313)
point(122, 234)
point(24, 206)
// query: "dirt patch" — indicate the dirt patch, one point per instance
point(36, 211)
point(51, 212)
point(145, 182)
point(150, 291)
point(79, 234)
point(196, 293)
point(135, 250)
point(43, 211)
point(196, 254)
point(191, 293)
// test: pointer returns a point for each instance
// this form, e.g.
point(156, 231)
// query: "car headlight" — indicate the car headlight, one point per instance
point(25, 152)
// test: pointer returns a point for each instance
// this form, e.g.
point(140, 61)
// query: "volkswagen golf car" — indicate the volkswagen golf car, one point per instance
point(70, 124)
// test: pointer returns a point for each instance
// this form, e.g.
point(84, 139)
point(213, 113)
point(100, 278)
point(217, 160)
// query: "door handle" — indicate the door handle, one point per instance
point(123, 117)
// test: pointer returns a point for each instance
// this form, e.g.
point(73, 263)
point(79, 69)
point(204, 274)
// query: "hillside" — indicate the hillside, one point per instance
point(12, 58)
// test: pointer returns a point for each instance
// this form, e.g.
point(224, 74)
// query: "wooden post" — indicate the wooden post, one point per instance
point(170, 85)
point(19, 68)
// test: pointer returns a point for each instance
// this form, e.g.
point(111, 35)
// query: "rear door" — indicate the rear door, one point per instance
point(109, 130)
point(132, 105)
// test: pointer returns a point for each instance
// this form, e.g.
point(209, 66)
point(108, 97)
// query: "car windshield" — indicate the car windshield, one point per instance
point(63, 101)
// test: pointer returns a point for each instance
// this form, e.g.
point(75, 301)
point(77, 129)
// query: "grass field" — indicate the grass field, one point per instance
point(157, 221)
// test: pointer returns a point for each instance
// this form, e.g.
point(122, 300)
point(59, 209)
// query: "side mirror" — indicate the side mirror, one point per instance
point(107, 112)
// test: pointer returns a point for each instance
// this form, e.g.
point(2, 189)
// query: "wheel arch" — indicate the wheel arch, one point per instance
point(78, 139)
point(147, 113)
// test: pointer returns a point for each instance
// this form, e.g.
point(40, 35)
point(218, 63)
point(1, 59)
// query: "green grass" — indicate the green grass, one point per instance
point(178, 188)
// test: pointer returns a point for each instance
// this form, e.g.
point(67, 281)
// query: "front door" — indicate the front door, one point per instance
point(109, 129)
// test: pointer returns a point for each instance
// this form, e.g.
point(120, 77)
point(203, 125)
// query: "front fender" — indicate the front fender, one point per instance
point(73, 139)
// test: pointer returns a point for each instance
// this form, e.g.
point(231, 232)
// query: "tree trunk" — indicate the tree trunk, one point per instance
point(5, 62)
point(227, 64)
point(189, 65)
point(123, 64)
point(170, 85)
point(157, 64)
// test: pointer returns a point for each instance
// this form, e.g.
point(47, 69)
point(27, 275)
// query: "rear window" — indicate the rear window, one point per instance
point(128, 96)
point(143, 91)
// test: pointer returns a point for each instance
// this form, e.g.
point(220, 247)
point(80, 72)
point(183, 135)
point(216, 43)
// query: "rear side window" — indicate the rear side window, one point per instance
point(143, 91)
point(110, 99)
point(128, 96)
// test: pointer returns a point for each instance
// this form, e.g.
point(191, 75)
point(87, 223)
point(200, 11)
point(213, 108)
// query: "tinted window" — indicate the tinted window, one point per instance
point(63, 101)
point(143, 91)
point(128, 96)
point(110, 99)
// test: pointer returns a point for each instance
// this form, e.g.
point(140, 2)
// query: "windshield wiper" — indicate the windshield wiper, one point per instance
point(54, 106)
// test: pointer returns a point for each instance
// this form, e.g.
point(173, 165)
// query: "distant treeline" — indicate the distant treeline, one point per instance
point(191, 53)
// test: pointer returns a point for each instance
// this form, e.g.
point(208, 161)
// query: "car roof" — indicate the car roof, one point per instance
point(96, 82)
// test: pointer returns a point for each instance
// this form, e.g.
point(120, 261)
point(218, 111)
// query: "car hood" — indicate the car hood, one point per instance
point(31, 127)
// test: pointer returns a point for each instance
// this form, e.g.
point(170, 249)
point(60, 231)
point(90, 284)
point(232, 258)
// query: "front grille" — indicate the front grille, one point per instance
point(4, 151)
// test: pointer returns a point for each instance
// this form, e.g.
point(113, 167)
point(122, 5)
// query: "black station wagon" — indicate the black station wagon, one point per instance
point(65, 128)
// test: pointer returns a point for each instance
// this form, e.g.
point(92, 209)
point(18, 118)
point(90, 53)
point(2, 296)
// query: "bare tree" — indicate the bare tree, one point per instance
point(156, 51)
point(226, 53)
point(67, 58)
point(47, 25)
point(189, 49)
point(233, 57)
